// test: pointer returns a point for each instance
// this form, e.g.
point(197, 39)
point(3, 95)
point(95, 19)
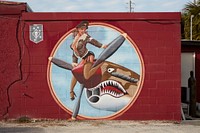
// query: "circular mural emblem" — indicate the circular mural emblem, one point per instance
point(97, 74)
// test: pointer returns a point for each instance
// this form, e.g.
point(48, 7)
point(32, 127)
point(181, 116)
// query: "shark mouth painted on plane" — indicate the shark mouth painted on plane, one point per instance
point(108, 95)
point(109, 87)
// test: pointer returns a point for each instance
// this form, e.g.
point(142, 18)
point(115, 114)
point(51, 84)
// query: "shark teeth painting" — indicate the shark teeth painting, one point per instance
point(109, 87)
point(108, 95)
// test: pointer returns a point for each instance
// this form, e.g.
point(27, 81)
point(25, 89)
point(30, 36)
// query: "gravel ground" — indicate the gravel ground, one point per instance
point(98, 126)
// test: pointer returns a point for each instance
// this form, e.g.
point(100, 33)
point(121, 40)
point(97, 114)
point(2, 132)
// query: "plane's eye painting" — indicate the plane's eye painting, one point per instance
point(110, 70)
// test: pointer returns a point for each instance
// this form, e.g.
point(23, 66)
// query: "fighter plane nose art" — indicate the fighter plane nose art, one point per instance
point(111, 84)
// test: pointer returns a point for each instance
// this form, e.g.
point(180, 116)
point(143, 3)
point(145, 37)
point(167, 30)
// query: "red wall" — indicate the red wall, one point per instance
point(197, 73)
point(11, 50)
point(24, 88)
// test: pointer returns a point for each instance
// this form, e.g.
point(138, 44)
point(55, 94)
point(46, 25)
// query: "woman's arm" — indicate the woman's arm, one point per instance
point(94, 42)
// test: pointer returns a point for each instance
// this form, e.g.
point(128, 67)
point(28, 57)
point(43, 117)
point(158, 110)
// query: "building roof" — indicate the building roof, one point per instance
point(12, 8)
point(190, 42)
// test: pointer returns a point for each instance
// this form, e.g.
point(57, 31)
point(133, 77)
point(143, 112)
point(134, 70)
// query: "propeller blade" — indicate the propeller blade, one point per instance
point(61, 63)
point(110, 50)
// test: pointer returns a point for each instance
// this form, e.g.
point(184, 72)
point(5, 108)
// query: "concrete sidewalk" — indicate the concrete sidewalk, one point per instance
point(100, 126)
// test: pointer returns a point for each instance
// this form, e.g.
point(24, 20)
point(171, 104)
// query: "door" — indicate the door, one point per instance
point(187, 65)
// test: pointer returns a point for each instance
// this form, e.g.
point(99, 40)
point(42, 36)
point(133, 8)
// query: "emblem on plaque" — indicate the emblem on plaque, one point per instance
point(36, 33)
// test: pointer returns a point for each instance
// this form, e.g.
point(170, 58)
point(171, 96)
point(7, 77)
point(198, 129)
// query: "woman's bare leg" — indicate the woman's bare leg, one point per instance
point(88, 70)
point(73, 83)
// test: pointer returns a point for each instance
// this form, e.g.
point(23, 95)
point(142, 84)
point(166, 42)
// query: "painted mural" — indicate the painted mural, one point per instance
point(95, 71)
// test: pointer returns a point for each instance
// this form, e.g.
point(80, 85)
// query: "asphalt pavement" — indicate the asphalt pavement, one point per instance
point(100, 126)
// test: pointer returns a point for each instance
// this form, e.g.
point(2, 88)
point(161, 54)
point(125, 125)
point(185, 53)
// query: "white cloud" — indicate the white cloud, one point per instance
point(160, 5)
point(104, 5)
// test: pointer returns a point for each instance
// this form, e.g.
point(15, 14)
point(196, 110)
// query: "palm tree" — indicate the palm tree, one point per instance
point(191, 11)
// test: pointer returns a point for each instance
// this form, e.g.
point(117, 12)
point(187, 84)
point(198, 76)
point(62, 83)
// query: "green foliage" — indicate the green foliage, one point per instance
point(189, 10)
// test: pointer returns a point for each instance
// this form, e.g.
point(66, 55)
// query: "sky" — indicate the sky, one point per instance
point(105, 5)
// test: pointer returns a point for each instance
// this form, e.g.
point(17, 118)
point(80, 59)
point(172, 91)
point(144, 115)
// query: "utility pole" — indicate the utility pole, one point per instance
point(191, 17)
point(131, 6)
point(195, 2)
